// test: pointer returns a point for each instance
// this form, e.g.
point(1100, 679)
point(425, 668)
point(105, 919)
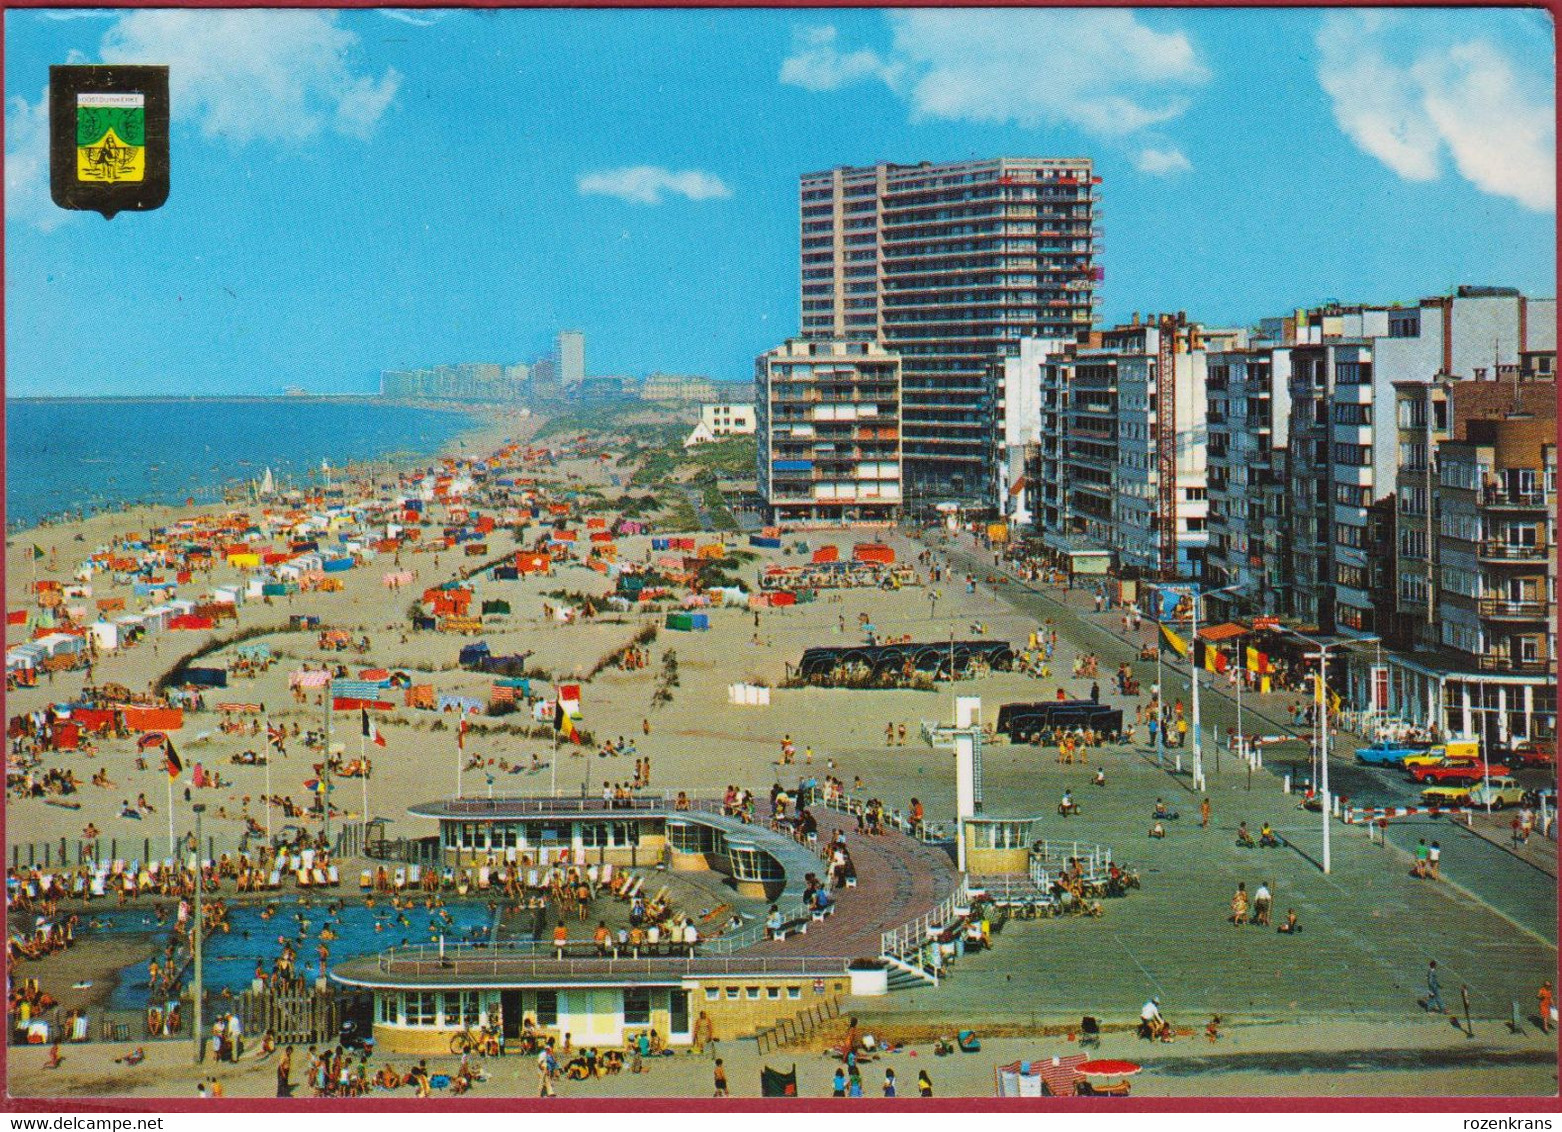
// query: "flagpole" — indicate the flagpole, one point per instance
point(553, 763)
point(269, 753)
point(325, 770)
point(171, 851)
point(460, 751)
point(363, 775)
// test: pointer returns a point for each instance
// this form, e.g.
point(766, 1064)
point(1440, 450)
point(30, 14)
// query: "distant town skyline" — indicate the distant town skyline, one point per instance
point(362, 191)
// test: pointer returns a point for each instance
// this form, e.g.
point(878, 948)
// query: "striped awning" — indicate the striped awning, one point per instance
point(1223, 632)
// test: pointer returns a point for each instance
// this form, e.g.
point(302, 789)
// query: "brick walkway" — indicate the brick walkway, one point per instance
point(898, 879)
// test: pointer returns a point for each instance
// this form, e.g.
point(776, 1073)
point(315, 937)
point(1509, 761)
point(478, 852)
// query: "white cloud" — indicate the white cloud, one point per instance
point(1406, 99)
point(817, 65)
point(646, 184)
point(27, 199)
point(242, 76)
point(1161, 162)
point(256, 75)
point(1099, 70)
point(418, 19)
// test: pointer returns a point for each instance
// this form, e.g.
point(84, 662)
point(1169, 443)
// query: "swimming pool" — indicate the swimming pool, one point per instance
point(229, 957)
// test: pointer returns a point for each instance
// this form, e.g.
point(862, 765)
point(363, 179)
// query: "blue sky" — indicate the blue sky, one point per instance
point(371, 190)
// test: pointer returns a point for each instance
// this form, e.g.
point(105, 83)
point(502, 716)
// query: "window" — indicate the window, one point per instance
point(1352, 373)
point(547, 1008)
point(637, 1006)
point(751, 992)
point(732, 992)
point(388, 1007)
point(1404, 324)
point(463, 1008)
point(794, 992)
point(1348, 534)
point(422, 1008)
point(773, 992)
point(1350, 413)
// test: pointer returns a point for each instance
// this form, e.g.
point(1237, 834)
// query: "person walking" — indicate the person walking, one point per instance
point(719, 1077)
point(1434, 860)
point(889, 1082)
point(1544, 997)
point(1434, 990)
point(1204, 813)
point(285, 1073)
point(924, 1084)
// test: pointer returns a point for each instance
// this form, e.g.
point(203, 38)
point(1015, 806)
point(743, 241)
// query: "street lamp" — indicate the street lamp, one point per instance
point(1321, 723)
point(198, 992)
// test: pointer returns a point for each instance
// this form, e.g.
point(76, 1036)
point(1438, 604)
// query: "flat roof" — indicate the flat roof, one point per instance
point(421, 967)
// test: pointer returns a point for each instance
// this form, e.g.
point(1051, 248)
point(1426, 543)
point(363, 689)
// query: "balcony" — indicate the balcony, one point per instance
point(1501, 662)
point(1496, 499)
point(1495, 550)
point(1500, 609)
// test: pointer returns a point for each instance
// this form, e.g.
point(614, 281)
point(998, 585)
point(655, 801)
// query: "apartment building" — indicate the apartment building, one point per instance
point(1491, 668)
point(721, 419)
point(1249, 414)
point(827, 416)
point(951, 266)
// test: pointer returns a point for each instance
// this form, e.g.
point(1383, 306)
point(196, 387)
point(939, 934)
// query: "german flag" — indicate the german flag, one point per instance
point(171, 760)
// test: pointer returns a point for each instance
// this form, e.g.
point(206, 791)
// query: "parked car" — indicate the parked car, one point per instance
point(1499, 793)
point(1385, 753)
point(1535, 753)
point(1457, 772)
point(1446, 795)
point(1455, 750)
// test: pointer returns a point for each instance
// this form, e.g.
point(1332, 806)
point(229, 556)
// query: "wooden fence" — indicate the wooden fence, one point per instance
point(791, 1030)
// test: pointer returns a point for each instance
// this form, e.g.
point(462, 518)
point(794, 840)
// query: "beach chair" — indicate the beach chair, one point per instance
point(118, 866)
point(333, 876)
point(414, 876)
point(295, 862)
point(401, 879)
point(592, 875)
point(532, 879)
point(275, 879)
point(482, 878)
point(78, 885)
point(99, 885)
point(302, 876)
point(366, 880)
point(606, 876)
point(319, 877)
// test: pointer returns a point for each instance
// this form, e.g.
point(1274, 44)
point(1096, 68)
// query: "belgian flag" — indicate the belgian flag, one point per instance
point(1173, 641)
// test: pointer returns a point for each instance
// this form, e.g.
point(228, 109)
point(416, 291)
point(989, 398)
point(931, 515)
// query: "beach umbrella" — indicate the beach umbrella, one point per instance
point(1107, 1067)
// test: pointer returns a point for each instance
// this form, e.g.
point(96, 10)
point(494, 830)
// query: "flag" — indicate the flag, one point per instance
point(461, 729)
point(1208, 657)
point(567, 709)
point(1173, 641)
point(371, 732)
point(171, 758)
point(37, 552)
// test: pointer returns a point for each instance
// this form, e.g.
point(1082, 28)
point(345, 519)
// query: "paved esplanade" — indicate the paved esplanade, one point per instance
point(1369, 928)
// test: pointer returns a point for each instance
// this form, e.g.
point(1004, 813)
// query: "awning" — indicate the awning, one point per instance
point(1224, 632)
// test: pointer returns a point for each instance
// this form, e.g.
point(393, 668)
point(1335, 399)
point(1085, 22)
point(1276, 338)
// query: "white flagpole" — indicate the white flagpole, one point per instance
point(172, 852)
point(460, 753)
point(270, 753)
point(363, 776)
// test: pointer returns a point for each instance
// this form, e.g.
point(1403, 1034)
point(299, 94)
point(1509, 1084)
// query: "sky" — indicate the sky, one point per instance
point(366, 190)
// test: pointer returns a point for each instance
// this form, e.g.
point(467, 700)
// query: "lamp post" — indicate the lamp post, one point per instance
point(198, 989)
point(1193, 666)
point(1321, 712)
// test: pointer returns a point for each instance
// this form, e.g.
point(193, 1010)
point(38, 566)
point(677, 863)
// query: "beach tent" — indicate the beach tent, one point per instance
point(106, 635)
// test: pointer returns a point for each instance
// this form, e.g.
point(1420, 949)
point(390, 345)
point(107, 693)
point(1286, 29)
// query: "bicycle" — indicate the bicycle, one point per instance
point(475, 1040)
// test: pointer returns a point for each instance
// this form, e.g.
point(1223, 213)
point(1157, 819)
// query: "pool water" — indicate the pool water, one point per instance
point(229, 957)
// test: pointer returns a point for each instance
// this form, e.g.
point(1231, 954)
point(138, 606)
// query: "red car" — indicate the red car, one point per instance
point(1456, 772)
point(1535, 753)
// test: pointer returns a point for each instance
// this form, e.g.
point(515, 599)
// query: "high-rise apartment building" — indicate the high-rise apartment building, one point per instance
point(950, 266)
point(572, 358)
point(827, 417)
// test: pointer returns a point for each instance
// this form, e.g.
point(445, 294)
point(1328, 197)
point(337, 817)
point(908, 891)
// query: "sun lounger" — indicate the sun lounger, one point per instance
point(319, 877)
point(332, 875)
point(302, 877)
point(366, 879)
point(275, 879)
point(415, 875)
point(99, 885)
point(606, 876)
point(482, 878)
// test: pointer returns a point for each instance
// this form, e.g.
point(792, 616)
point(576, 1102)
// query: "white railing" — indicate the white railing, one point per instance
point(909, 943)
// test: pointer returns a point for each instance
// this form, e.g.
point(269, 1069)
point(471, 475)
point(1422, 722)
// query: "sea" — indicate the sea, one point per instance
point(68, 455)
